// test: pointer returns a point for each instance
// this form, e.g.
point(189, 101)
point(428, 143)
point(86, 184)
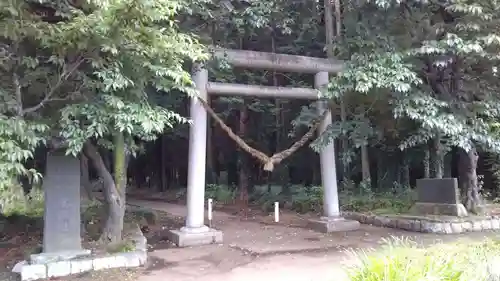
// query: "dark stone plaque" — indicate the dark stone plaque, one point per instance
point(440, 191)
point(62, 204)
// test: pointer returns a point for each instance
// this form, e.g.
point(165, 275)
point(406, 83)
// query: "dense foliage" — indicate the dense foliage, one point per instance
point(418, 96)
point(83, 70)
point(309, 199)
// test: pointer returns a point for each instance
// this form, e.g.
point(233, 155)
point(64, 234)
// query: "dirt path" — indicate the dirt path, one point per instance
point(259, 250)
point(215, 264)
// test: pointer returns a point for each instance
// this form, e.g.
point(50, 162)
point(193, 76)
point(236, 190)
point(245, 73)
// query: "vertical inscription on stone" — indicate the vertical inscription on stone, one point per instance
point(62, 204)
point(64, 219)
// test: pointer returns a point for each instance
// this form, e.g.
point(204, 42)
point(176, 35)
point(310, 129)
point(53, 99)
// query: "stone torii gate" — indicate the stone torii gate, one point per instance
point(195, 232)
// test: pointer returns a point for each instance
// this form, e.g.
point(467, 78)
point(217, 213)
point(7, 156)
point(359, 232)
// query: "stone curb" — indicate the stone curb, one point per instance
point(427, 226)
point(135, 258)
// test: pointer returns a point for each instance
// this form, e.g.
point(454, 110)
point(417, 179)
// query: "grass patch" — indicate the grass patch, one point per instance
point(142, 217)
point(405, 260)
point(122, 247)
point(384, 203)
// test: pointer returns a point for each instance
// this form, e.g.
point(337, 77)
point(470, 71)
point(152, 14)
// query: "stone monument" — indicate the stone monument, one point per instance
point(438, 197)
point(61, 232)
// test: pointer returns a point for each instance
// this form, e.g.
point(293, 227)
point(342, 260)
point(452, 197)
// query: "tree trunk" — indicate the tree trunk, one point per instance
point(381, 170)
point(243, 163)
point(113, 228)
point(405, 170)
point(437, 158)
point(365, 164)
point(333, 30)
point(114, 189)
point(427, 160)
point(211, 174)
point(114, 224)
point(163, 164)
point(468, 181)
point(86, 184)
point(105, 155)
point(447, 165)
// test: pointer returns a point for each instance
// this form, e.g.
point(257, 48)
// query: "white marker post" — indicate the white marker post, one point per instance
point(276, 211)
point(210, 201)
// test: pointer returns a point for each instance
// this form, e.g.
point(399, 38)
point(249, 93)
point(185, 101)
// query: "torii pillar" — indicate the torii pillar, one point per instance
point(195, 232)
point(331, 221)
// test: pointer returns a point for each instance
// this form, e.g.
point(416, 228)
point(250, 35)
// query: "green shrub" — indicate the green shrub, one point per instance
point(13, 201)
point(223, 194)
point(307, 198)
point(303, 199)
point(378, 203)
point(296, 197)
point(265, 196)
point(405, 260)
point(397, 200)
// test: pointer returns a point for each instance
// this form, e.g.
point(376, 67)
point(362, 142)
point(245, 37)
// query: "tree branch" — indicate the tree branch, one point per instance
point(17, 90)
point(93, 154)
point(48, 96)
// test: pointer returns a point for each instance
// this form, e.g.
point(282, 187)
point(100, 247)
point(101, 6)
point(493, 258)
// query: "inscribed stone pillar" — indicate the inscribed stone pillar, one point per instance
point(61, 232)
